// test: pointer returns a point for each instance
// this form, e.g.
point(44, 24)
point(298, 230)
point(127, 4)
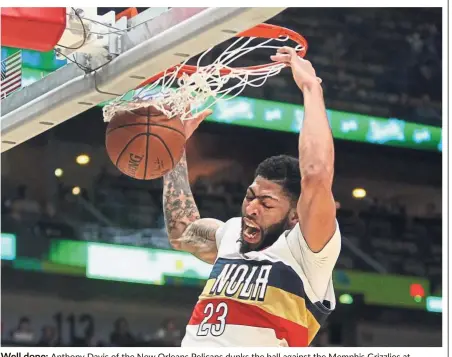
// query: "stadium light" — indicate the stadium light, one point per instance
point(76, 190)
point(359, 193)
point(58, 172)
point(82, 159)
point(434, 304)
point(346, 299)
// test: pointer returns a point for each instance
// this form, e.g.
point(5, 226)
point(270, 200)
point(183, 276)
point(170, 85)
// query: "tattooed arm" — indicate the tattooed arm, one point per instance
point(187, 231)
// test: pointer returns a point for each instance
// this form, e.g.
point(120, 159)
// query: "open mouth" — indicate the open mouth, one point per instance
point(251, 232)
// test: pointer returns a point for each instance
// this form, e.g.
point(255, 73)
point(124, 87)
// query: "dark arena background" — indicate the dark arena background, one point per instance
point(85, 256)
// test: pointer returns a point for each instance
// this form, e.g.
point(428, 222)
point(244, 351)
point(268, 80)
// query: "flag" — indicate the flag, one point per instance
point(11, 74)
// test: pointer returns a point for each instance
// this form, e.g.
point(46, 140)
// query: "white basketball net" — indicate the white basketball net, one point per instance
point(174, 96)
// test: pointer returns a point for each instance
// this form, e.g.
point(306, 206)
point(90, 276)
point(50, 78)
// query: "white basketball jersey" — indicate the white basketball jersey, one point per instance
point(279, 296)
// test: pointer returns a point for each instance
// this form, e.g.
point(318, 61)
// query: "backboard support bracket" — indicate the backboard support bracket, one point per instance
point(146, 50)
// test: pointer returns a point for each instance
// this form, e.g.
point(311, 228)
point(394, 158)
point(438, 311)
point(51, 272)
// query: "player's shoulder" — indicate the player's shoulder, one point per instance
point(297, 242)
point(234, 222)
point(231, 226)
point(297, 231)
point(229, 231)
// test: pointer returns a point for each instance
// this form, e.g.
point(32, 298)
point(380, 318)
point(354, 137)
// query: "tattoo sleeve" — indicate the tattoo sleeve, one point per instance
point(186, 230)
point(179, 205)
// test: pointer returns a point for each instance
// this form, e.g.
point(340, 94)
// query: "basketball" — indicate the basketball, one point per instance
point(143, 143)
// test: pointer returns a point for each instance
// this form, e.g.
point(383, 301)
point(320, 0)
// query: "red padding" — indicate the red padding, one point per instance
point(33, 28)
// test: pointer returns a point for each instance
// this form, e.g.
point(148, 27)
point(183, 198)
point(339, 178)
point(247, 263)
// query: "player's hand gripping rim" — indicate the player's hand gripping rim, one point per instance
point(302, 70)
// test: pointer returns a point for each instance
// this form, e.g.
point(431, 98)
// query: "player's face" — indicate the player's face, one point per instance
point(266, 213)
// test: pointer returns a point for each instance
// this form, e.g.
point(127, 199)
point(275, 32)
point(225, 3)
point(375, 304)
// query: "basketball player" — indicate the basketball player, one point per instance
point(271, 282)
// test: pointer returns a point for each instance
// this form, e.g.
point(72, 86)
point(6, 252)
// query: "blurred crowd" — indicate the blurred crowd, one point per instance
point(385, 62)
point(118, 207)
point(167, 335)
point(25, 334)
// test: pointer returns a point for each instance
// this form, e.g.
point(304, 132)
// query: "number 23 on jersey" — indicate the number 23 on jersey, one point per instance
point(214, 322)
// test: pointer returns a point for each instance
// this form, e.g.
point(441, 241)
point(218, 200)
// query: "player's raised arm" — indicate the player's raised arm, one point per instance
point(187, 231)
point(316, 207)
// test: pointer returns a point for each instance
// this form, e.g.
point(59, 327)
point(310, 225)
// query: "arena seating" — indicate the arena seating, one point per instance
point(403, 245)
point(397, 74)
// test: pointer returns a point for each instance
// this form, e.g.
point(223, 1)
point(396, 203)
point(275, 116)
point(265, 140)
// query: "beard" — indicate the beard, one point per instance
point(269, 236)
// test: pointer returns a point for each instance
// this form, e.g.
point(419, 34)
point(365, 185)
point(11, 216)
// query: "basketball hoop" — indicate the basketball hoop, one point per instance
point(185, 86)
